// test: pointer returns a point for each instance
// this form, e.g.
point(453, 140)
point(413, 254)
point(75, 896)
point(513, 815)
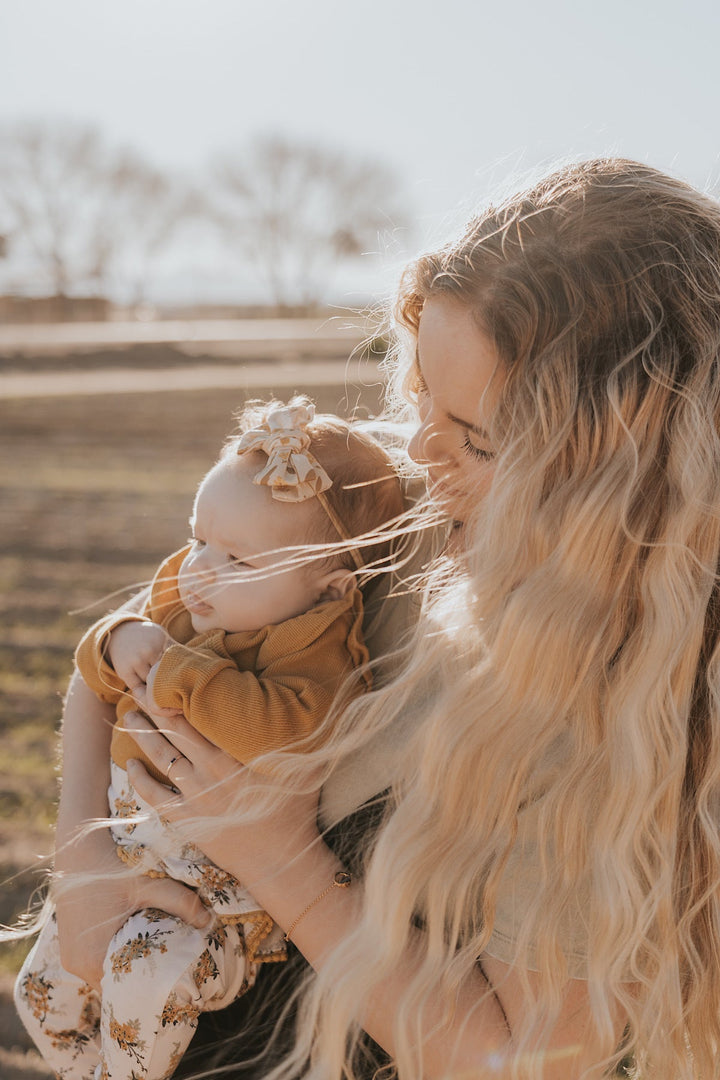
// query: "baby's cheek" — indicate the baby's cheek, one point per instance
point(184, 572)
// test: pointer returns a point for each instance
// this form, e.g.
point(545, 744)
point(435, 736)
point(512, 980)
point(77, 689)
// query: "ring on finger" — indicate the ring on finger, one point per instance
point(178, 757)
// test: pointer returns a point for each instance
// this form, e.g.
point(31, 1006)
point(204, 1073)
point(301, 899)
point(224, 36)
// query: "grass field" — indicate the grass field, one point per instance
point(94, 490)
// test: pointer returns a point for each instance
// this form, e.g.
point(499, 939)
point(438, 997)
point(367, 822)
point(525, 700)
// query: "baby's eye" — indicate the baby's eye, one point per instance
point(196, 543)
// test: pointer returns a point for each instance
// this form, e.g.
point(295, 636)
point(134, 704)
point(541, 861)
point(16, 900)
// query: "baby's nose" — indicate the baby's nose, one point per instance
point(205, 567)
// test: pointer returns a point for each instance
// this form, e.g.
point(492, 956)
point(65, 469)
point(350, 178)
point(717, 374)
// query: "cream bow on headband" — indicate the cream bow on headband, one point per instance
point(292, 473)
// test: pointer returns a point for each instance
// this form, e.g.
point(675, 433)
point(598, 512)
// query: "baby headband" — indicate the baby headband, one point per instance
point(292, 472)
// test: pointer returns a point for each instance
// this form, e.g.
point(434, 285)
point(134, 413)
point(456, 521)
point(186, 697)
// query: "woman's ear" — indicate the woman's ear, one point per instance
point(334, 585)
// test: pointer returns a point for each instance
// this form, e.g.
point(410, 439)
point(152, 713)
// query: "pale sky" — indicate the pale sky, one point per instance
point(462, 97)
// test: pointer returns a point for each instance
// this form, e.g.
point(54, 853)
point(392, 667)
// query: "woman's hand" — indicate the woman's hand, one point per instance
point(210, 785)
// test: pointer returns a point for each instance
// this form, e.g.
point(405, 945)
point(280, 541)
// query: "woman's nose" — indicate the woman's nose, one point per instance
point(426, 447)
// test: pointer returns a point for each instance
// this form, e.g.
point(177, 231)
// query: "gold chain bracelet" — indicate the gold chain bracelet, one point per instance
point(341, 881)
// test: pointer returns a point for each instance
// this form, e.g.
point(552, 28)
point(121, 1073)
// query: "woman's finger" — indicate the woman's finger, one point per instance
point(149, 788)
point(156, 739)
point(155, 745)
point(173, 731)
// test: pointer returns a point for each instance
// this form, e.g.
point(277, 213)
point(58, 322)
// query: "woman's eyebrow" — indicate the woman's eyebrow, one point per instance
point(475, 428)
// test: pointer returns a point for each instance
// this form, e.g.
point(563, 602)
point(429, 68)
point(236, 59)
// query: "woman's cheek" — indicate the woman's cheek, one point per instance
point(473, 484)
point(417, 447)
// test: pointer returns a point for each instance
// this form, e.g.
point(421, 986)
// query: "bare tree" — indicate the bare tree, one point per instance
point(47, 177)
point(82, 211)
point(297, 210)
point(145, 210)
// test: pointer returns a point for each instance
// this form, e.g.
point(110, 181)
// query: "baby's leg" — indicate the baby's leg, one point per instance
point(59, 1010)
point(160, 974)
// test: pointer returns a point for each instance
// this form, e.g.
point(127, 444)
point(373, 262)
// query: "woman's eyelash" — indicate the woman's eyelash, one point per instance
point(476, 451)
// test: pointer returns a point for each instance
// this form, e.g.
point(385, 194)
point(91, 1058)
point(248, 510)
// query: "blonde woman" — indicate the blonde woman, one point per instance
point(542, 897)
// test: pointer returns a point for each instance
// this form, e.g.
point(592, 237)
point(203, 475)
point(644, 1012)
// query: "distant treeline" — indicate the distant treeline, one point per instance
point(81, 218)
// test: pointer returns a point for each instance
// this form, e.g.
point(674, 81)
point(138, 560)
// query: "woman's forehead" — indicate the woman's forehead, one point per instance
point(456, 359)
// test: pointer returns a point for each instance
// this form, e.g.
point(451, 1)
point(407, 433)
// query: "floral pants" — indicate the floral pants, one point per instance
point(159, 975)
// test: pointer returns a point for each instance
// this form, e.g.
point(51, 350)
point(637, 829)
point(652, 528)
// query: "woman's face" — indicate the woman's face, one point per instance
point(459, 379)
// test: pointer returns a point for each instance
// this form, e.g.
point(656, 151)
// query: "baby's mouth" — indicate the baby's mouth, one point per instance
point(197, 606)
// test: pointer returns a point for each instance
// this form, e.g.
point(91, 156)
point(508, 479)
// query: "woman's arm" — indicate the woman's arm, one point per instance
point(286, 866)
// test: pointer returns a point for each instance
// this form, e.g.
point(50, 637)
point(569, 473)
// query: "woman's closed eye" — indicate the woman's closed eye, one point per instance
point(477, 452)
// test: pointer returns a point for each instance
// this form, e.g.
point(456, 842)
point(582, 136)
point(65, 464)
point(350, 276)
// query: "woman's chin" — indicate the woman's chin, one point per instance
point(456, 537)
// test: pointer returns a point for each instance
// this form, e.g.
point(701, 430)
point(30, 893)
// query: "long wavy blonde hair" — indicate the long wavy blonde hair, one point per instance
point(586, 619)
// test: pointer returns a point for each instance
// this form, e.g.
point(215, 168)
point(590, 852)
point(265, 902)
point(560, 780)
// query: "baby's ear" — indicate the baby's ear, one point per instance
point(335, 585)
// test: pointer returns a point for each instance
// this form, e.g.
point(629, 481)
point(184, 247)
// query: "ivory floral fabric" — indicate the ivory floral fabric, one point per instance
point(159, 975)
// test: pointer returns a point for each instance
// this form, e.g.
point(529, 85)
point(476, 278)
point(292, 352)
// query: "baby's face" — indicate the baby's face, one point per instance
point(232, 579)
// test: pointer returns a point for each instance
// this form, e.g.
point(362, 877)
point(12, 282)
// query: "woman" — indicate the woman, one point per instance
point(542, 895)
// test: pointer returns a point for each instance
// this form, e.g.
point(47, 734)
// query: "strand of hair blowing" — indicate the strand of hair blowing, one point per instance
point(572, 669)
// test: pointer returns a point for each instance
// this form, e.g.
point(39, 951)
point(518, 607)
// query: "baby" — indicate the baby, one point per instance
point(252, 632)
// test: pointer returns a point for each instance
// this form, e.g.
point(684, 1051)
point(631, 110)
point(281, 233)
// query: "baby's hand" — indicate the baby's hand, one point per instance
point(133, 648)
point(146, 699)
